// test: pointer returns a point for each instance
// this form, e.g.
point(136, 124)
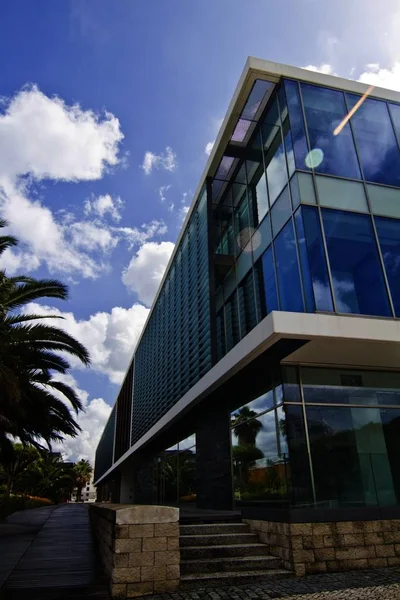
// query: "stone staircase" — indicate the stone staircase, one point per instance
point(225, 553)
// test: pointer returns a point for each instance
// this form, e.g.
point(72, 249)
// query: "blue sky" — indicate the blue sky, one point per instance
point(107, 108)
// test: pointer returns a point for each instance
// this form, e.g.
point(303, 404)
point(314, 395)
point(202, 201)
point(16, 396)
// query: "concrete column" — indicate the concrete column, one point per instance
point(143, 487)
point(214, 478)
point(126, 487)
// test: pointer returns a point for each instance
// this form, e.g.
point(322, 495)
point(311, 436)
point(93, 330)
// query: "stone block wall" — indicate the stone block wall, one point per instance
point(139, 547)
point(309, 548)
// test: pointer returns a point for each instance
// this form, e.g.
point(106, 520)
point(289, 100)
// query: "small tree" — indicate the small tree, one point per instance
point(82, 473)
point(15, 460)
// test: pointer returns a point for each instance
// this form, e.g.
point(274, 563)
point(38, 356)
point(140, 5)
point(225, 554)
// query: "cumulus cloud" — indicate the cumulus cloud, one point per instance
point(324, 68)
point(47, 139)
point(378, 76)
point(104, 205)
point(146, 269)
point(43, 138)
point(91, 420)
point(110, 336)
point(209, 147)
point(165, 160)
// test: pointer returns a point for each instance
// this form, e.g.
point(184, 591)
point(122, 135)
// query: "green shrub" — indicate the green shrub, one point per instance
point(15, 503)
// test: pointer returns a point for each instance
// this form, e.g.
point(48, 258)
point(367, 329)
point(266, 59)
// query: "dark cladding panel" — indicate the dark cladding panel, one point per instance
point(124, 415)
point(105, 449)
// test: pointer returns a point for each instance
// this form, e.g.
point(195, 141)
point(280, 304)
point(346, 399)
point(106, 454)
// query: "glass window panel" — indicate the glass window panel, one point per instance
point(353, 458)
point(276, 173)
point(355, 264)
point(384, 201)
point(244, 262)
point(344, 386)
point(299, 139)
point(376, 141)
point(339, 193)
point(247, 305)
point(389, 239)
point(291, 387)
point(281, 211)
point(261, 198)
point(288, 270)
point(262, 237)
point(230, 282)
point(395, 114)
point(317, 259)
point(291, 427)
point(231, 323)
point(289, 153)
point(306, 186)
point(325, 109)
point(271, 294)
point(257, 406)
point(304, 262)
point(295, 191)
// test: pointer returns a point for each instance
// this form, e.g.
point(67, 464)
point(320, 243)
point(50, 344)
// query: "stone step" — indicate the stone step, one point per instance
point(218, 539)
point(230, 564)
point(199, 580)
point(213, 528)
point(223, 551)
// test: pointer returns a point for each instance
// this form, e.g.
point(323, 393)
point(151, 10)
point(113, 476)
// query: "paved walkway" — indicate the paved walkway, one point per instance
point(48, 553)
point(377, 584)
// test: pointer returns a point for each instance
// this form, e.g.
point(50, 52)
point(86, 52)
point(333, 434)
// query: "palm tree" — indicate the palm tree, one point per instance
point(14, 464)
point(33, 401)
point(82, 472)
point(246, 426)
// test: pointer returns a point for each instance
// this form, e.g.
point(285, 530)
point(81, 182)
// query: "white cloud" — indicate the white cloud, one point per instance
point(43, 138)
point(135, 235)
point(162, 191)
point(209, 147)
point(103, 205)
point(165, 160)
point(146, 269)
point(386, 78)
point(324, 68)
point(92, 421)
point(92, 237)
point(109, 336)
point(47, 139)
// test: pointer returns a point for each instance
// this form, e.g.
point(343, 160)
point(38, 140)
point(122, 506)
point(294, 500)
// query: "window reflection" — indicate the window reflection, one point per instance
point(376, 141)
point(299, 140)
point(355, 264)
point(288, 270)
point(354, 455)
point(325, 109)
point(389, 239)
point(271, 294)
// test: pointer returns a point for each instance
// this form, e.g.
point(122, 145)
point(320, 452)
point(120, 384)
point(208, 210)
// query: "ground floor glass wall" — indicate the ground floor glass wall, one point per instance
point(175, 474)
point(322, 437)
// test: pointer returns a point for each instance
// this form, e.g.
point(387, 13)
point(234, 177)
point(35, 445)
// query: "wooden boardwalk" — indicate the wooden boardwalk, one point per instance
point(48, 553)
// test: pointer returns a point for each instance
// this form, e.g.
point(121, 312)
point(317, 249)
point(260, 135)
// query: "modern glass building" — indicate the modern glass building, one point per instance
point(268, 372)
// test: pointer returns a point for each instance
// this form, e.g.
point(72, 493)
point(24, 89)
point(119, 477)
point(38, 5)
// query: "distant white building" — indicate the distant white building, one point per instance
point(88, 493)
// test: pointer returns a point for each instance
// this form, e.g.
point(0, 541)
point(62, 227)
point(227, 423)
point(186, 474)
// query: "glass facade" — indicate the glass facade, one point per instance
point(175, 474)
point(322, 437)
point(322, 211)
point(301, 214)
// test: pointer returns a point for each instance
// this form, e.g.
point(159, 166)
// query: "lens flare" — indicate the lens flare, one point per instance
point(244, 237)
point(314, 158)
point(347, 118)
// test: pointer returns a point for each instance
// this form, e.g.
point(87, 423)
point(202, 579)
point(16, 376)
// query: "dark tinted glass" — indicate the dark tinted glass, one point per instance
point(317, 259)
point(343, 386)
point(271, 295)
point(299, 140)
point(356, 270)
point(389, 240)
point(395, 114)
point(354, 455)
point(291, 428)
point(324, 110)
point(304, 262)
point(376, 141)
point(288, 270)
